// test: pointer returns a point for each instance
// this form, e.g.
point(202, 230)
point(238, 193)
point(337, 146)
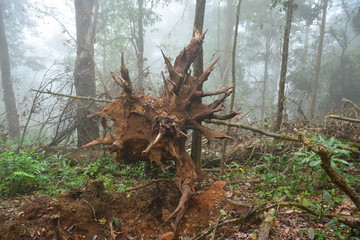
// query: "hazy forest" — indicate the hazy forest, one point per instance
point(179, 119)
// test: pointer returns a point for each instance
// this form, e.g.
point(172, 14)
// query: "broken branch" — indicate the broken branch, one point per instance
point(72, 96)
point(344, 118)
point(351, 102)
point(335, 177)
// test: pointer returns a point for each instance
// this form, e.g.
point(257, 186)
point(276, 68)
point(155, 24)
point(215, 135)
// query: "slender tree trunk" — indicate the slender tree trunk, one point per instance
point(233, 73)
point(266, 75)
point(315, 82)
point(140, 46)
point(86, 12)
point(224, 65)
point(306, 40)
point(198, 70)
point(285, 53)
point(12, 117)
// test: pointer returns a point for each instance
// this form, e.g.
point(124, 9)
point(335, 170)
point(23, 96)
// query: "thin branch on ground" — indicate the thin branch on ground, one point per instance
point(267, 224)
point(215, 227)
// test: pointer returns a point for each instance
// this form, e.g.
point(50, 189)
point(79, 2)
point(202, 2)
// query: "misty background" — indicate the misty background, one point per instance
point(41, 38)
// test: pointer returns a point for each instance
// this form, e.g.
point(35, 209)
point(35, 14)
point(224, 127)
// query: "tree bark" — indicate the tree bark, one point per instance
point(140, 46)
point(12, 117)
point(285, 53)
point(224, 66)
point(198, 70)
point(86, 12)
point(233, 73)
point(266, 74)
point(315, 82)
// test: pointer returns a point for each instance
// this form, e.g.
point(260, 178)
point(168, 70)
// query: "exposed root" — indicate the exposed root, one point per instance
point(157, 139)
point(154, 129)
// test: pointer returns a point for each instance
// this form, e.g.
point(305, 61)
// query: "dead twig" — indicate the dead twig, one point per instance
point(92, 209)
point(351, 102)
point(254, 129)
point(215, 227)
point(267, 224)
point(210, 228)
point(72, 96)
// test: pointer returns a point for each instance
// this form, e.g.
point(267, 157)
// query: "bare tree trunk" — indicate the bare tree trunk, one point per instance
point(140, 46)
point(226, 48)
point(285, 53)
point(198, 70)
point(318, 63)
point(266, 74)
point(86, 12)
point(233, 72)
point(12, 117)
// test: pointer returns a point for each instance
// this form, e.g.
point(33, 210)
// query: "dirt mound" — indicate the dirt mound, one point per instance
point(89, 213)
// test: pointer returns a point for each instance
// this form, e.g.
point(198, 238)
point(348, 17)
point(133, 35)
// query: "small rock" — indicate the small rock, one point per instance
point(167, 236)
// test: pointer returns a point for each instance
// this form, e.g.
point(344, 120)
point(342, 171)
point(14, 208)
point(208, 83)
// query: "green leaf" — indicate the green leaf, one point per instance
point(305, 202)
point(314, 163)
point(327, 197)
point(341, 161)
point(222, 212)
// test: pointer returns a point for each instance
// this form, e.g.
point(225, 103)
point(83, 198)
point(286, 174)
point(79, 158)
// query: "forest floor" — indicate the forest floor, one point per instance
point(220, 209)
point(89, 213)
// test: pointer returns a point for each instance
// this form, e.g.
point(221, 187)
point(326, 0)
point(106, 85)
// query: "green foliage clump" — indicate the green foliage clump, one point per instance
point(19, 173)
point(299, 173)
point(30, 171)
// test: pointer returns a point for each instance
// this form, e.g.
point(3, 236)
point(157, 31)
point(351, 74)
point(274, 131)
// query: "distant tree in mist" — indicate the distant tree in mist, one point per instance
point(315, 80)
point(7, 86)
point(342, 63)
point(285, 53)
point(122, 26)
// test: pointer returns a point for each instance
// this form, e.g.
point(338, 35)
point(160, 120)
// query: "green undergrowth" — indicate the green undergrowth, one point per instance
point(295, 172)
point(30, 171)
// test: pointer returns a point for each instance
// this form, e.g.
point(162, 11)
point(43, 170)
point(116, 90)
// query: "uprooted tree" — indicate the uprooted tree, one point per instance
point(154, 129)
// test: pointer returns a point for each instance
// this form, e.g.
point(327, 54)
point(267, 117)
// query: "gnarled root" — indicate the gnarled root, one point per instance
point(184, 179)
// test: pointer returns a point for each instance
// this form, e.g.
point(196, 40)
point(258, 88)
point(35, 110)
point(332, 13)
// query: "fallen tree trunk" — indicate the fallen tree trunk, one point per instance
point(154, 129)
